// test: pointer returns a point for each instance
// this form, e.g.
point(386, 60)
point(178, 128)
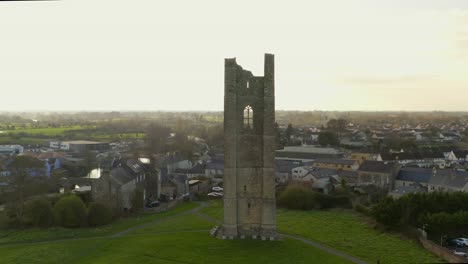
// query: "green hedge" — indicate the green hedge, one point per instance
point(414, 209)
point(302, 198)
point(70, 211)
point(438, 224)
point(38, 213)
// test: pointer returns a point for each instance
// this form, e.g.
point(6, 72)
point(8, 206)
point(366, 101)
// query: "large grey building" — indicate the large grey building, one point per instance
point(249, 142)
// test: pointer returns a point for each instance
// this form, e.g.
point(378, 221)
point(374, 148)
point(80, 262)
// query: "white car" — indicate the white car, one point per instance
point(459, 253)
point(463, 241)
point(215, 194)
point(217, 189)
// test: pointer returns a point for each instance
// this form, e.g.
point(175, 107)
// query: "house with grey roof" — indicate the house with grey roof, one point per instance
point(350, 178)
point(322, 180)
point(284, 168)
point(449, 180)
point(119, 185)
point(215, 167)
point(413, 177)
point(379, 173)
point(308, 153)
point(171, 185)
point(197, 170)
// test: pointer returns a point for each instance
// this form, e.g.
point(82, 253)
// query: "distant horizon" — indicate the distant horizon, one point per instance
point(338, 55)
point(201, 111)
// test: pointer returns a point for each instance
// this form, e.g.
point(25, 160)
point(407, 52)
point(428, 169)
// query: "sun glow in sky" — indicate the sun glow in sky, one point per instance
point(169, 55)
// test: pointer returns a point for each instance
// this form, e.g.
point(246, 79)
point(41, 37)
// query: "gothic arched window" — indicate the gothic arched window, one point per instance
point(248, 117)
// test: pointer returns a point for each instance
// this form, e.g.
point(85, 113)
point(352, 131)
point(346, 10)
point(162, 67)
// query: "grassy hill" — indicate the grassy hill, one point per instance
point(181, 236)
point(176, 236)
point(346, 231)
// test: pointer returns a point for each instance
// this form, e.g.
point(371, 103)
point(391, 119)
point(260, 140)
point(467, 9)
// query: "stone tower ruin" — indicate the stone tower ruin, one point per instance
point(249, 148)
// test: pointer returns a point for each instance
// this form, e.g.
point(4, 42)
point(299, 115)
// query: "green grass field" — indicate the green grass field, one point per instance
point(49, 131)
point(40, 135)
point(36, 234)
point(346, 231)
point(196, 247)
point(173, 239)
point(21, 141)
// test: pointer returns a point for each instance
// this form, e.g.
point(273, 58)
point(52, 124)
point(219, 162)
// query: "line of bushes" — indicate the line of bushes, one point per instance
point(69, 211)
point(439, 212)
point(302, 198)
point(452, 225)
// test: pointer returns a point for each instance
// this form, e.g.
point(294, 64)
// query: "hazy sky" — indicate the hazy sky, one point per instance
point(169, 55)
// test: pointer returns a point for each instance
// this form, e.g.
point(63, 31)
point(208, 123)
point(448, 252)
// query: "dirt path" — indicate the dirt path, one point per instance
point(325, 248)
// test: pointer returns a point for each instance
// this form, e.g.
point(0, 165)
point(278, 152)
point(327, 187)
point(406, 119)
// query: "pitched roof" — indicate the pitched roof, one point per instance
point(286, 166)
point(347, 173)
point(319, 173)
point(427, 154)
point(310, 149)
point(336, 161)
point(308, 152)
point(377, 166)
point(134, 166)
point(215, 165)
point(350, 177)
point(197, 169)
point(49, 155)
point(121, 175)
point(450, 178)
point(419, 175)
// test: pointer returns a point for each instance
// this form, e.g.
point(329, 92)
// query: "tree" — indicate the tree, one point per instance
point(289, 132)
point(434, 131)
point(20, 180)
point(297, 197)
point(215, 135)
point(388, 212)
point(38, 212)
point(328, 138)
point(279, 144)
point(183, 145)
point(70, 211)
point(337, 125)
point(156, 136)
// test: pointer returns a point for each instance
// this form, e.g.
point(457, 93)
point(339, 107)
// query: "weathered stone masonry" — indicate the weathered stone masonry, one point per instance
point(249, 142)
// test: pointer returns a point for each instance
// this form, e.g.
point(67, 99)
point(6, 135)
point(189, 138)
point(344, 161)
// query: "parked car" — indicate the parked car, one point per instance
point(455, 243)
point(215, 194)
point(186, 197)
point(153, 204)
point(459, 253)
point(463, 240)
point(217, 189)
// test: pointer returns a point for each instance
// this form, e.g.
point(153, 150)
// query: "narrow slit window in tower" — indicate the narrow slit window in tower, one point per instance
point(248, 84)
point(248, 117)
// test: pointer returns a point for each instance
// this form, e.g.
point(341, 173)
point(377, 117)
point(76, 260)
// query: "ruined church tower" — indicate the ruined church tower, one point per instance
point(249, 148)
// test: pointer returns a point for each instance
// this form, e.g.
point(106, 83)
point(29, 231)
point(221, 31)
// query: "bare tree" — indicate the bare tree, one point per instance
point(22, 169)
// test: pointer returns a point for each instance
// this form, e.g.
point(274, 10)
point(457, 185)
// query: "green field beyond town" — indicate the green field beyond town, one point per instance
point(181, 235)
